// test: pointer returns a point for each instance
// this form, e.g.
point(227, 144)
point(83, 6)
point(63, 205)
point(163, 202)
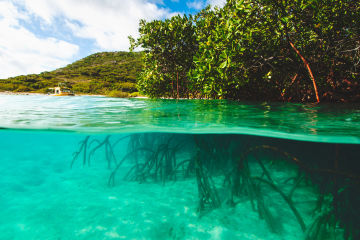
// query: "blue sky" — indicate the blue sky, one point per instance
point(42, 35)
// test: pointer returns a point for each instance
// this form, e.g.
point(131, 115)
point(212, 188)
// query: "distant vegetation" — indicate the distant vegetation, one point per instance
point(111, 73)
point(301, 51)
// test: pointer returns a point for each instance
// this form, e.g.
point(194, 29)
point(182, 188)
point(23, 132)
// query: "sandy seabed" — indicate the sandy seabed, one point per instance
point(43, 198)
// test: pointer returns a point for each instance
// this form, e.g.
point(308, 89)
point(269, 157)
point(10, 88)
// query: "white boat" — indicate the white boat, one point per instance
point(59, 91)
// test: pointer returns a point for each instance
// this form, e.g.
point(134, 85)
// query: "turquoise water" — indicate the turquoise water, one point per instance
point(338, 123)
point(104, 168)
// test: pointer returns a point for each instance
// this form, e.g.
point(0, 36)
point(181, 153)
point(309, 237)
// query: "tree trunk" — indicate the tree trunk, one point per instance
point(177, 84)
point(309, 70)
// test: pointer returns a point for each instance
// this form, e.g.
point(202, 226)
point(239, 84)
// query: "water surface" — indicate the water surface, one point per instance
point(337, 123)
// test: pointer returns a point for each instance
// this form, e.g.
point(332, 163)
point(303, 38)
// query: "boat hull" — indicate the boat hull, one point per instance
point(63, 94)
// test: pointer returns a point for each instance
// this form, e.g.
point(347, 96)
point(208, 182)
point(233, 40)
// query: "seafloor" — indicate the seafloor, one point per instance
point(43, 197)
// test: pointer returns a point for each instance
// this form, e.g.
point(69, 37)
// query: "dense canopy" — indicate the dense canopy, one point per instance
point(303, 51)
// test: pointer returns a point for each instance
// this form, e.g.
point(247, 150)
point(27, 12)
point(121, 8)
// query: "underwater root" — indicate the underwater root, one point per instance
point(252, 184)
point(303, 166)
point(323, 227)
point(159, 160)
point(287, 200)
point(208, 196)
point(111, 181)
point(83, 148)
point(109, 152)
point(287, 156)
point(335, 215)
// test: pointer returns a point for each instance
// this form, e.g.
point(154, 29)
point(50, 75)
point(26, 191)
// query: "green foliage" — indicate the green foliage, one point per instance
point(118, 94)
point(135, 94)
point(234, 43)
point(169, 49)
point(96, 74)
point(256, 49)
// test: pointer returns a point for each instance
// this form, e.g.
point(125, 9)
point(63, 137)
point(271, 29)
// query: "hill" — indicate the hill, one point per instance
point(99, 73)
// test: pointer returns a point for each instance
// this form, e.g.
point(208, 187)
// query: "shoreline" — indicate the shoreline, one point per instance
point(39, 94)
point(144, 97)
point(20, 93)
point(44, 94)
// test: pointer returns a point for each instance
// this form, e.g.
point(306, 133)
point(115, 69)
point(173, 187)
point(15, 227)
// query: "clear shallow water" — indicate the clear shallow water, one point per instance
point(339, 123)
point(43, 197)
point(137, 169)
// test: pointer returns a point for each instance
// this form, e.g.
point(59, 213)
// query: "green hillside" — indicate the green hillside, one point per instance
point(99, 73)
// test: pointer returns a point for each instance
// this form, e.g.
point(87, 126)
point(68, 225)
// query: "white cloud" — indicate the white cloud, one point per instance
point(200, 4)
point(22, 52)
point(108, 22)
point(219, 3)
point(196, 4)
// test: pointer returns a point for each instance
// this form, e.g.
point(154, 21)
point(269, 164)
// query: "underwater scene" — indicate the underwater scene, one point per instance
point(106, 168)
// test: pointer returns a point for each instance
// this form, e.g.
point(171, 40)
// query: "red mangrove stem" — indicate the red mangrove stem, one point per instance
point(308, 68)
